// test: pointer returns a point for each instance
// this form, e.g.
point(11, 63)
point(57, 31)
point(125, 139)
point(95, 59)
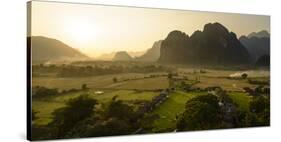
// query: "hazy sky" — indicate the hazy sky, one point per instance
point(96, 29)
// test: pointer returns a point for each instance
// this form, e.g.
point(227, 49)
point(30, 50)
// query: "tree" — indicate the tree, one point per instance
point(118, 109)
point(114, 79)
point(33, 115)
point(244, 75)
point(259, 104)
point(111, 127)
point(115, 118)
point(40, 92)
point(171, 81)
point(259, 114)
point(201, 113)
point(75, 110)
point(84, 87)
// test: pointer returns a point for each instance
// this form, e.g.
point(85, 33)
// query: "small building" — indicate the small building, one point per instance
point(99, 92)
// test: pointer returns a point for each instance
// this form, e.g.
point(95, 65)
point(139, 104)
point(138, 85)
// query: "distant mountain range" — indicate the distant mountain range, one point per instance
point(257, 44)
point(152, 54)
point(122, 56)
point(106, 56)
point(260, 34)
point(110, 56)
point(47, 49)
point(214, 45)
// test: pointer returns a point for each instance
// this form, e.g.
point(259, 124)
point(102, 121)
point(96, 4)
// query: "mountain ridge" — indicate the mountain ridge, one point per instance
point(256, 44)
point(152, 54)
point(49, 49)
point(214, 45)
point(122, 56)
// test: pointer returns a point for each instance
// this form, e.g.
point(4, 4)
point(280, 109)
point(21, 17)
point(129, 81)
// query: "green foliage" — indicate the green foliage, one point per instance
point(244, 75)
point(41, 132)
point(84, 87)
point(261, 107)
point(259, 104)
point(114, 79)
point(110, 127)
point(183, 109)
point(209, 99)
point(76, 110)
point(241, 99)
point(259, 81)
point(40, 92)
point(259, 114)
point(201, 113)
point(94, 69)
point(118, 109)
point(146, 122)
point(116, 118)
point(33, 115)
point(171, 109)
point(98, 126)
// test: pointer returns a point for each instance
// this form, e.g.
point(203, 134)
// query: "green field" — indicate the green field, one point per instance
point(44, 110)
point(170, 108)
point(125, 81)
point(136, 88)
point(241, 99)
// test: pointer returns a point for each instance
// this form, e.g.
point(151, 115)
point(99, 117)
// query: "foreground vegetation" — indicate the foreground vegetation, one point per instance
point(143, 101)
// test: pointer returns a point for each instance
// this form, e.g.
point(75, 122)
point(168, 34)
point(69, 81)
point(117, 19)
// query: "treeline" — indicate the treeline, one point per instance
point(156, 101)
point(257, 91)
point(259, 82)
point(42, 92)
point(219, 111)
point(84, 71)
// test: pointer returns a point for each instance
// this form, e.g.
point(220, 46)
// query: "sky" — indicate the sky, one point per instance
point(98, 29)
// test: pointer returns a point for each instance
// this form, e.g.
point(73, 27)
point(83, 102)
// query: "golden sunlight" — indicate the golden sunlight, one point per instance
point(81, 31)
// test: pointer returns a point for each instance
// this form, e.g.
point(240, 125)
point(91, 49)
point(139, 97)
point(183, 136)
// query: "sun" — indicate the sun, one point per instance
point(81, 31)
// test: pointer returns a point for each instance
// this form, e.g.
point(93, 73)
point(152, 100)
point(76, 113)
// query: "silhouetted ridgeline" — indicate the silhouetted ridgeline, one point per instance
point(257, 44)
point(260, 34)
point(122, 56)
point(47, 49)
point(152, 54)
point(214, 45)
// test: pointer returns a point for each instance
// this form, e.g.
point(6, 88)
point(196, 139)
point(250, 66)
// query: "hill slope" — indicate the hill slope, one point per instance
point(122, 56)
point(47, 49)
point(257, 44)
point(263, 61)
point(152, 54)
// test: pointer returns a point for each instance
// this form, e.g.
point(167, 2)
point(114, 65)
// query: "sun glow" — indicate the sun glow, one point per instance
point(81, 32)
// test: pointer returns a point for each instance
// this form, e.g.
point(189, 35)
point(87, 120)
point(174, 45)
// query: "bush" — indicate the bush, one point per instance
point(201, 113)
point(76, 110)
point(39, 92)
point(84, 87)
point(115, 118)
point(244, 75)
point(114, 79)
